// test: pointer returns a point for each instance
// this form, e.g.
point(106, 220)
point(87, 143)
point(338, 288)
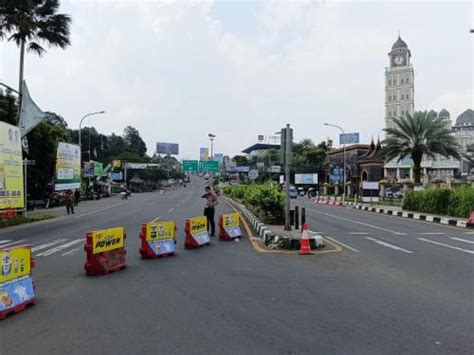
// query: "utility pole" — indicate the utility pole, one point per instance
point(287, 157)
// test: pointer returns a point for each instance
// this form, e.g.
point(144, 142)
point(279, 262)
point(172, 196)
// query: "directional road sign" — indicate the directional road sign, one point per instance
point(190, 165)
point(209, 165)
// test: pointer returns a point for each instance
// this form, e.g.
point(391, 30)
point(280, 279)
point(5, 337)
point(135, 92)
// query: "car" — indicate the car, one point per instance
point(293, 192)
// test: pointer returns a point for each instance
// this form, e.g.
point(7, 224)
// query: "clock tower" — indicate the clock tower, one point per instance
point(399, 83)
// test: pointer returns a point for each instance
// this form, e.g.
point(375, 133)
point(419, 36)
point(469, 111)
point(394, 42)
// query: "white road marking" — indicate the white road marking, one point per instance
point(47, 245)
point(358, 233)
point(432, 233)
point(462, 240)
point(446, 245)
point(72, 251)
point(468, 232)
point(357, 222)
point(156, 219)
point(341, 243)
point(170, 210)
point(13, 243)
point(61, 247)
point(178, 205)
point(99, 210)
point(388, 245)
point(4, 241)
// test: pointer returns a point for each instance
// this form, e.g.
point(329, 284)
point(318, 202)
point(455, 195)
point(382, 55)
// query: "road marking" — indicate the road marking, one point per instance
point(178, 205)
point(4, 241)
point(468, 232)
point(170, 210)
point(13, 243)
point(358, 233)
point(341, 243)
point(462, 240)
point(432, 233)
point(72, 251)
point(357, 222)
point(388, 245)
point(61, 247)
point(156, 219)
point(47, 245)
point(99, 210)
point(446, 245)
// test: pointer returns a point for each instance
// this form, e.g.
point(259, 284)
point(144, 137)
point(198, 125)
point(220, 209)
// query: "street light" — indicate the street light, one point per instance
point(211, 138)
point(80, 124)
point(343, 161)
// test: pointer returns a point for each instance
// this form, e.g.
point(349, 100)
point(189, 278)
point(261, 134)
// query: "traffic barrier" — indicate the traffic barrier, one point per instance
point(325, 202)
point(8, 214)
point(196, 232)
point(105, 251)
point(305, 247)
point(470, 221)
point(158, 239)
point(229, 226)
point(17, 290)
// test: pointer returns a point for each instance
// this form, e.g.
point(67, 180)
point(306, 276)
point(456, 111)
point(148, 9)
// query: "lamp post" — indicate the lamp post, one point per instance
point(211, 138)
point(343, 161)
point(80, 132)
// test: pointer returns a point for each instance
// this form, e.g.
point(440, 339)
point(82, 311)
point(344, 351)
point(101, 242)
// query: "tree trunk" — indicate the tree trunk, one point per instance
point(417, 168)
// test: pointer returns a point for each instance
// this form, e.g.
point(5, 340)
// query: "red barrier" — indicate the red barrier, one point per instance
point(16, 285)
point(229, 227)
point(470, 221)
point(196, 233)
point(158, 239)
point(325, 202)
point(8, 214)
point(105, 251)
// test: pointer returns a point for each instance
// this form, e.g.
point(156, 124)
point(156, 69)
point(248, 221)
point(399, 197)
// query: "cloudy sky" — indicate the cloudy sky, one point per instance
point(177, 70)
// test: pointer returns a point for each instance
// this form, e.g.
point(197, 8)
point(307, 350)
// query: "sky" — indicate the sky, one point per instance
point(178, 70)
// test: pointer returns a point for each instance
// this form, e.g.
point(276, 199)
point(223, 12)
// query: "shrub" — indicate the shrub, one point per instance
point(461, 202)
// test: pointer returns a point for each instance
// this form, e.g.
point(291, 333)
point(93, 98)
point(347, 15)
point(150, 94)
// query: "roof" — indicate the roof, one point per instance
point(466, 118)
point(260, 146)
point(444, 114)
point(400, 43)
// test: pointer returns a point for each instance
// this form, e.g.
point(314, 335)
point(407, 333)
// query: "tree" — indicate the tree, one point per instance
point(30, 23)
point(416, 136)
point(8, 107)
point(135, 143)
point(241, 160)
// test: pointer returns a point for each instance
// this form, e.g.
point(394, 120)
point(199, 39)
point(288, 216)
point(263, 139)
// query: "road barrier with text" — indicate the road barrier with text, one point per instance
point(196, 232)
point(229, 226)
point(157, 239)
point(105, 251)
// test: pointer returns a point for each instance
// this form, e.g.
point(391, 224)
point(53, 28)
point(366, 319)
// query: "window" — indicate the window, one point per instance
point(407, 81)
point(402, 81)
point(407, 96)
point(403, 96)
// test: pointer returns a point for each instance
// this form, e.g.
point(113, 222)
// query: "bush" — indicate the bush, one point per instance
point(458, 202)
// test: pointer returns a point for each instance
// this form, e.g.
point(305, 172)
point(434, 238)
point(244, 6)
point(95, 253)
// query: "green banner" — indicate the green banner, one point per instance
point(209, 165)
point(190, 165)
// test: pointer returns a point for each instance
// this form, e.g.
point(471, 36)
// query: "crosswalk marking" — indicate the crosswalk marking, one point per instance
point(72, 251)
point(13, 243)
point(47, 245)
point(4, 241)
point(388, 245)
point(446, 245)
point(462, 240)
point(60, 247)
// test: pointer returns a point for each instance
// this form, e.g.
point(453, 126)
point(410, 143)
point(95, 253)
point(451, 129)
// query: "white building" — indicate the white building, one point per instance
point(464, 133)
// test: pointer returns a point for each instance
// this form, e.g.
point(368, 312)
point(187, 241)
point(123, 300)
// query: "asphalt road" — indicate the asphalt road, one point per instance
point(227, 298)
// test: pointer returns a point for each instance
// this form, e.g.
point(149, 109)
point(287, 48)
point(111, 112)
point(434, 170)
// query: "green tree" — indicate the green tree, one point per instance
point(8, 107)
point(135, 143)
point(241, 160)
point(416, 136)
point(33, 23)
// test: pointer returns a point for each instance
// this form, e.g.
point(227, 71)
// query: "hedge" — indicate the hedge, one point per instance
point(458, 202)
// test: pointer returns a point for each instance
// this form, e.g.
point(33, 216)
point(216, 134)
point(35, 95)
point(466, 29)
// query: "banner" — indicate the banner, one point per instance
point(167, 148)
point(231, 224)
point(199, 229)
point(306, 179)
point(68, 167)
point(116, 164)
point(16, 292)
point(15, 263)
point(160, 237)
point(203, 153)
point(30, 114)
point(11, 168)
point(107, 239)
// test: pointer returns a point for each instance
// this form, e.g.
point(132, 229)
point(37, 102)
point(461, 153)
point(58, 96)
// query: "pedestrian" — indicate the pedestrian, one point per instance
point(77, 197)
point(210, 210)
point(69, 202)
point(46, 200)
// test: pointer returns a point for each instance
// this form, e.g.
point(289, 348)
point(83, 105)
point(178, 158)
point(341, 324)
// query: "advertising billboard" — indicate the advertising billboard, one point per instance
point(11, 167)
point(306, 179)
point(167, 148)
point(349, 138)
point(68, 167)
point(219, 157)
point(203, 153)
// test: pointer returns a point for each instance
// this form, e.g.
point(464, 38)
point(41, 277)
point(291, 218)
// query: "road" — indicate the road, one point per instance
point(227, 298)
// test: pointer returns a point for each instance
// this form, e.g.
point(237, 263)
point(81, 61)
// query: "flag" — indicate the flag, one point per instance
point(30, 114)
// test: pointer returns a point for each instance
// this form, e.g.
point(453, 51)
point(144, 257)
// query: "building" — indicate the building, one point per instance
point(464, 132)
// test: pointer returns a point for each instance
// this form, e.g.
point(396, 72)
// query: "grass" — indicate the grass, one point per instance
point(9, 222)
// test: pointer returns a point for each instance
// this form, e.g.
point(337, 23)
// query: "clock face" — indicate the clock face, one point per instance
point(399, 60)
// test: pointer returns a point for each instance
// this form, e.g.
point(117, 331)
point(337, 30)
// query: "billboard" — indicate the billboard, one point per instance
point(203, 153)
point(11, 167)
point(68, 167)
point(306, 179)
point(167, 148)
point(219, 157)
point(349, 138)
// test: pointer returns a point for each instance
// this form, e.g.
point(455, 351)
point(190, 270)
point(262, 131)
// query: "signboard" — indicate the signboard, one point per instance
point(199, 229)
point(140, 166)
point(306, 179)
point(98, 168)
point(68, 167)
point(275, 169)
point(349, 138)
point(160, 237)
point(117, 176)
point(190, 165)
point(88, 169)
point(167, 148)
point(203, 153)
point(11, 167)
point(282, 179)
point(370, 185)
point(15, 263)
point(209, 165)
point(107, 239)
point(116, 164)
point(370, 191)
point(238, 169)
point(219, 157)
point(231, 224)
point(253, 174)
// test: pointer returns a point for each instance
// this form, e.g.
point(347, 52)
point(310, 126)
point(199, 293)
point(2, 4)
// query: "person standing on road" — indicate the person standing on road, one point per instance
point(69, 202)
point(77, 197)
point(210, 210)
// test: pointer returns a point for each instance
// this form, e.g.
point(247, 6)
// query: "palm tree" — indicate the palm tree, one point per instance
point(416, 136)
point(32, 23)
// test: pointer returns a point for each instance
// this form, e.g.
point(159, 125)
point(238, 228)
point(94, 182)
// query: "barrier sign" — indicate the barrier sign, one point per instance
point(158, 239)
point(229, 226)
point(16, 285)
point(107, 239)
point(196, 232)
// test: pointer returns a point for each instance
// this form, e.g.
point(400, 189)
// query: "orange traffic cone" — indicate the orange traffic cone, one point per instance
point(305, 248)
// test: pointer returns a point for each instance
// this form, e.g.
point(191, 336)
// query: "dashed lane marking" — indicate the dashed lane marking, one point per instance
point(13, 243)
point(388, 245)
point(156, 219)
point(432, 233)
point(99, 210)
point(61, 247)
point(170, 210)
point(358, 233)
point(47, 245)
point(447, 245)
point(341, 243)
point(462, 240)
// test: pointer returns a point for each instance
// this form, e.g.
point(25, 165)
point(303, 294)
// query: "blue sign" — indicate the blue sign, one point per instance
point(349, 138)
point(161, 247)
point(336, 175)
point(167, 148)
point(238, 169)
point(16, 292)
point(117, 176)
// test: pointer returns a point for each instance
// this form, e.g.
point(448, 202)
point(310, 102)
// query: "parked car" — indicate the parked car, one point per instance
point(394, 194)
point(293, 192)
